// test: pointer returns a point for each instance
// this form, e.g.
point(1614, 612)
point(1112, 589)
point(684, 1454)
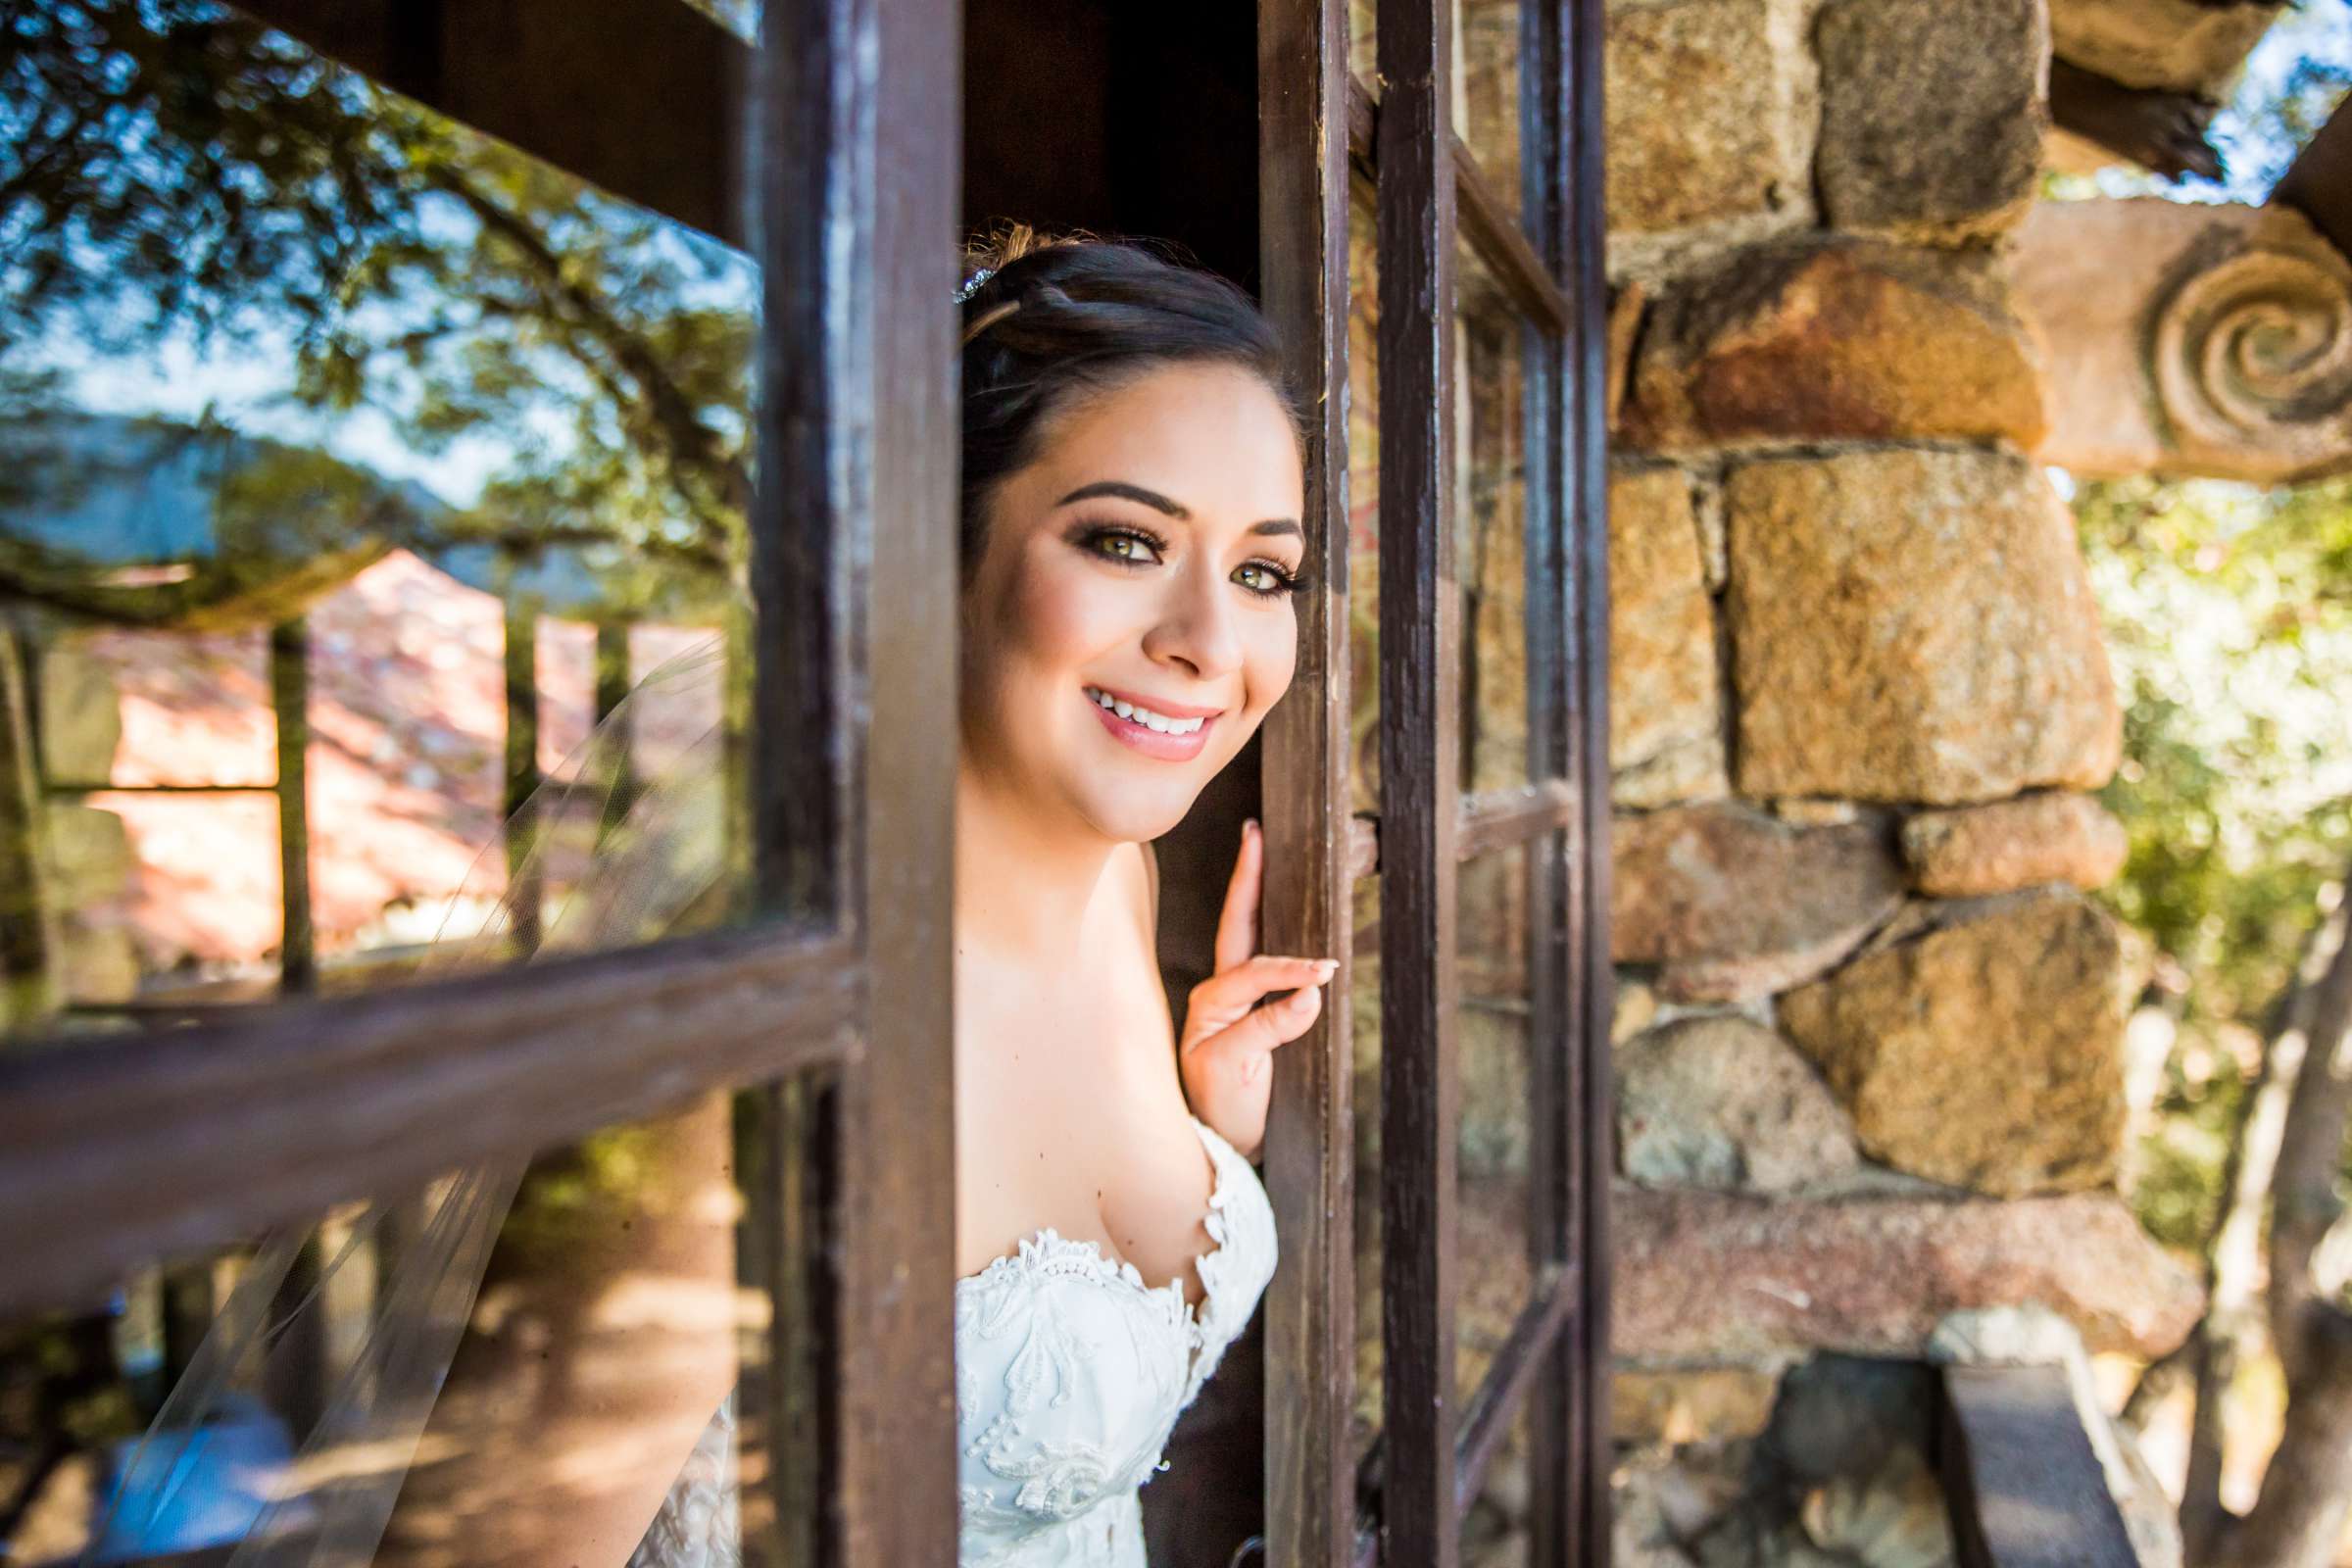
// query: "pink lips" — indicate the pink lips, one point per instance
point(1149, 741)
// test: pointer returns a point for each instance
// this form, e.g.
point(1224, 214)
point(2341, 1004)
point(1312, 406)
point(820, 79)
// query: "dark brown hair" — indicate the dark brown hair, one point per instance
point(1059, 319)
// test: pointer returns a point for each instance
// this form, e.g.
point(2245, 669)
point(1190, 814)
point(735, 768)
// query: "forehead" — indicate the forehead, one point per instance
point(1214, 438)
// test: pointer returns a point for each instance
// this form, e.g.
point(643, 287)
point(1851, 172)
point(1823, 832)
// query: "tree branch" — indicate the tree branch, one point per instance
point(2304, 1202)
point(693, 444)
point(2299, 1520)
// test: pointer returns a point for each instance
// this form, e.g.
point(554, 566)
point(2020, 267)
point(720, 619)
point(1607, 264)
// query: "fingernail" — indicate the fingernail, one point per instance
point(1329, 966)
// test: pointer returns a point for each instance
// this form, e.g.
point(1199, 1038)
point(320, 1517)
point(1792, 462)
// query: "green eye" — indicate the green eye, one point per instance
point(1125, 546)
point(1269, 580)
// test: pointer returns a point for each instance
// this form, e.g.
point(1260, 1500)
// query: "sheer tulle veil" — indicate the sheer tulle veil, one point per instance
point(616, 847)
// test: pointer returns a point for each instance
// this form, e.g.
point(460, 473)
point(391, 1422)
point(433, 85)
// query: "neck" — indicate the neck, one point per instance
point(1022, 884)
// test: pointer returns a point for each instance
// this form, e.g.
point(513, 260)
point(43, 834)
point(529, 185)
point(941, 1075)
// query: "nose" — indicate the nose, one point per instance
point(1197, 630)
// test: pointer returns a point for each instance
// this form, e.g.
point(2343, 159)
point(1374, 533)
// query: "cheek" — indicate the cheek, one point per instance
point(1058, 615)
point(1273, 661)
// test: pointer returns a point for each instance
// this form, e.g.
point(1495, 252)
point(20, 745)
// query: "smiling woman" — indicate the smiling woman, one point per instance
point(1132, 543)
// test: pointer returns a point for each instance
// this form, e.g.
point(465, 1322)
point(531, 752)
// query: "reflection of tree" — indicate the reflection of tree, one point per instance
point(169, 166)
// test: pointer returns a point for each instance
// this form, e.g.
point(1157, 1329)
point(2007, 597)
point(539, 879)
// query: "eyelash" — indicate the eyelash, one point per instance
point(1285, 581)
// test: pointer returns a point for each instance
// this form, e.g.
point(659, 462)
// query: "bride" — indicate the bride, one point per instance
point(1131, 546)
point(1131, 542)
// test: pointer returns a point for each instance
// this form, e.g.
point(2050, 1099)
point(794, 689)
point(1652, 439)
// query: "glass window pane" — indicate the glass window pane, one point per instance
point(609, 1380)
point(1363, 39)
point(1493, 1031)
point(1363, 504)
point(1491, 525)
point(1364, 1011)
point(1496, 1525)
point(1485, 91)
point(336, 432)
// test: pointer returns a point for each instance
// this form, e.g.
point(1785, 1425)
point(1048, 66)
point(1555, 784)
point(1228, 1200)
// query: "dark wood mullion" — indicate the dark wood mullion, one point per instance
point(1581, 246)
point(1524, 1356)
point(1311, 839)
point(1419, 681)
point(290, 706)
point(114, 1154)
point(1558, 1073)
point(77, 791)
point(1487, 224)
point(1506, 819)
point(1494, 233)
point(860, 125)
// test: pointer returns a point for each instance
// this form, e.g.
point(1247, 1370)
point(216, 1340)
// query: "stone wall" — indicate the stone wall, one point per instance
point(1869, 1060)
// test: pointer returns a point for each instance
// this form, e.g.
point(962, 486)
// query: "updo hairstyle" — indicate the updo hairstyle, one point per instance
point(1060, 320)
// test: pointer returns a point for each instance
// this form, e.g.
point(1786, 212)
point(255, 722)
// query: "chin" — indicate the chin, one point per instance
point(1136, 814)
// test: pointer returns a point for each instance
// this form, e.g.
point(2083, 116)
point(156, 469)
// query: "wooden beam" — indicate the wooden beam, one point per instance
point(116, 1154)
point(2162, 131)
point(1503, 819)
point(1420, 612)
point(1575, 1195)
point(2024, 1487)
point(640, 98)
point(1524, 1354)
point(1495, 231)
point(290, 706)
point(854, 584)
point(1314, 847)
point(2319, 183)
point(28, 934)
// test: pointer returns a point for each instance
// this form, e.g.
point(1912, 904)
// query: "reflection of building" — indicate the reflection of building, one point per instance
point(174, 875)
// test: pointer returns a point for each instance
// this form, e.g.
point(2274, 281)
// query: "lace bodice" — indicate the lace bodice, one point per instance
point(1070, 1373)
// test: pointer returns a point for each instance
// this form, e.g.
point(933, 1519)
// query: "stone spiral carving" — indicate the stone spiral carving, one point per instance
point(2252, 355)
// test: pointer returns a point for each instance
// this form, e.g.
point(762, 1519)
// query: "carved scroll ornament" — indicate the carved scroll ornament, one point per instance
point(2252, 354)
point(2188, 340)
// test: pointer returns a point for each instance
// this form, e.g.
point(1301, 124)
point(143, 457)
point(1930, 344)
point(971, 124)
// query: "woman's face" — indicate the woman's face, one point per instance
point(1146, 560)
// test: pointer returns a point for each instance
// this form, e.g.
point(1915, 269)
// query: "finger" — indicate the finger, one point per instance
point(1230, 993)
point(1237, 924)
point(1244, 1046)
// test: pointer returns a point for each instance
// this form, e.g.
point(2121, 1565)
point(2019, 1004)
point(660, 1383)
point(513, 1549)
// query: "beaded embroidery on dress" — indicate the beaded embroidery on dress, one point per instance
point(1070, 1373)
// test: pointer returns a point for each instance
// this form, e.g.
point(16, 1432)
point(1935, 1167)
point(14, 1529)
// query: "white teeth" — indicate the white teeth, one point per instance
point(1159, 723)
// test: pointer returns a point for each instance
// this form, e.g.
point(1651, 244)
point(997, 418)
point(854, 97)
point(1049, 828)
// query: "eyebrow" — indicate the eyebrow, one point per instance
point(1120, 490)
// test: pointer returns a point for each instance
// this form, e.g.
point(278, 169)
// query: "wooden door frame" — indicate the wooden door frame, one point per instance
point(1548, 257)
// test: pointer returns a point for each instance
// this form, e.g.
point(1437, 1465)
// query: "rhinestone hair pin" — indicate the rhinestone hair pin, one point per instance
point(972, 284)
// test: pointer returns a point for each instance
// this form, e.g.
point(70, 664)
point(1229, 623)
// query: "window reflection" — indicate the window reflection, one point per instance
point(608, 1397)
point(352, 465)
point(306, 387)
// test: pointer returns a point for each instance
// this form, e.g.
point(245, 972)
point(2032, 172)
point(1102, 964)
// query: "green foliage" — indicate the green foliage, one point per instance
point(172, 168)
point(2228, 619)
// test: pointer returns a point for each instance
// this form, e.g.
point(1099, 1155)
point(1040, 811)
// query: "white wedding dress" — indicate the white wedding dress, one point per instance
point(1070, 1373)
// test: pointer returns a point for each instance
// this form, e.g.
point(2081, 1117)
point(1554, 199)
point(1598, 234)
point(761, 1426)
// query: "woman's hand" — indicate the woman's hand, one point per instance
point(1228, 1042)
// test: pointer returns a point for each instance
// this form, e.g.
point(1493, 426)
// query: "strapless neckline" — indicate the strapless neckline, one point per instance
point(1071, 1372)
point(1046, 1249)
